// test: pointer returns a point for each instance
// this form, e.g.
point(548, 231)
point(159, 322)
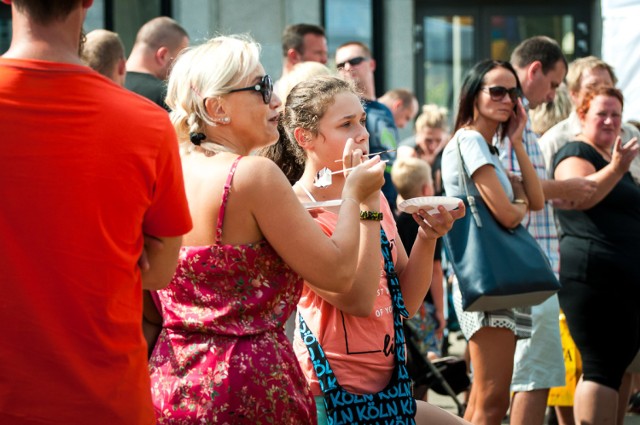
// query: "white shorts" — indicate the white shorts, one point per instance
point(517, 320)
point(538, 362)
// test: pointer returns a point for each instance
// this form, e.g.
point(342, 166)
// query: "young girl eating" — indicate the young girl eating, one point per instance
point(351, 345)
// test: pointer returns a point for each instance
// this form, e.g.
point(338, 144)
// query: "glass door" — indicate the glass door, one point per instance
point(448, 45)
point(449, 40)
point(508, 26)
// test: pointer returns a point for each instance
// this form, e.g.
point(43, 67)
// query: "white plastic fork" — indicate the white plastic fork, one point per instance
point(323, 177)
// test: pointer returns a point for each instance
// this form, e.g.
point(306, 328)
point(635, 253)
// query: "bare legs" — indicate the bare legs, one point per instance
point(528, 407)
point(428, 414)
point(595, 404)
point(491, 351)
point(565, 415)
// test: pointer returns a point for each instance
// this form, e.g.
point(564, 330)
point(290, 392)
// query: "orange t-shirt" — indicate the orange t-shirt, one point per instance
point(360, 350)
point(85, 168)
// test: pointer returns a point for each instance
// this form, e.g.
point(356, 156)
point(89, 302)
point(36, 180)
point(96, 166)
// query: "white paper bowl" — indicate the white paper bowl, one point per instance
point(428, 203)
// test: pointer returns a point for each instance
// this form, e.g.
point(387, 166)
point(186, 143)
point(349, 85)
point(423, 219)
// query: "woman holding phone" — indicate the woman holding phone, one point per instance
point(490, 106)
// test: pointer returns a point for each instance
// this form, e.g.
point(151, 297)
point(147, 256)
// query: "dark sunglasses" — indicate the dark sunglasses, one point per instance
point(265, 87)
point(497, 93)
point(353, 62)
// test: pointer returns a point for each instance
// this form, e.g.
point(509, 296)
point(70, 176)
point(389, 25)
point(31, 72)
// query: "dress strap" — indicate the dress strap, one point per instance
point(225, 197)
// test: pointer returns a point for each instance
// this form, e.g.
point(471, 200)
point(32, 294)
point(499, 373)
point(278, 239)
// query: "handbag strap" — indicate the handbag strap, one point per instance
point(462, 178)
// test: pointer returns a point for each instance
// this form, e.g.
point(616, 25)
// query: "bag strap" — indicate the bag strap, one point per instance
point(324, 373)
point(462, 177)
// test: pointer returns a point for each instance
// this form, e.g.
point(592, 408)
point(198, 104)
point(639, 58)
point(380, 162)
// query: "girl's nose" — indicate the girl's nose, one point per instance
point(363, 135)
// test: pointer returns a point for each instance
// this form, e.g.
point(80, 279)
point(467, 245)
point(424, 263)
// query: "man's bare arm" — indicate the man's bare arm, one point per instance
point(159, 260)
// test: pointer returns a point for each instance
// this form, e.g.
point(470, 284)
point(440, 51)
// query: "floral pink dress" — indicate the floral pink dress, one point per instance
point(222, 356)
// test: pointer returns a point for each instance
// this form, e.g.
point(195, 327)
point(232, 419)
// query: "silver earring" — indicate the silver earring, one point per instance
point(223, 120)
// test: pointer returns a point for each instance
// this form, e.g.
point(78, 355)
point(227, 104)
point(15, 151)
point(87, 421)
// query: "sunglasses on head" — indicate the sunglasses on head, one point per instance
point(353, 62)
point(265, 87)
point(497, 93)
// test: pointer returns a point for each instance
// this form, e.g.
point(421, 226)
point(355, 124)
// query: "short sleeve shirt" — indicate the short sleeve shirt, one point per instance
point(475, 153)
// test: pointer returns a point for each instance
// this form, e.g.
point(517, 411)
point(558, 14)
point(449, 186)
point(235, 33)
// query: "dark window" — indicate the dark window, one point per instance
point(451, 38)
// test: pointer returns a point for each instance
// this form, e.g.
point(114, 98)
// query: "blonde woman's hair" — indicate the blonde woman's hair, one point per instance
point(432, 116)
point(409, 175)
point(211, 69)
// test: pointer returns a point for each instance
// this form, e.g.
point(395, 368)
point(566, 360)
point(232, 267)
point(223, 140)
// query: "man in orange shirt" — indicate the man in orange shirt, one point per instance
point(86, 170)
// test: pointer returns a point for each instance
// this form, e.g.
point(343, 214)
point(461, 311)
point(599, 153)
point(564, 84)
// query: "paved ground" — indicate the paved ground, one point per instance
point(447, 403)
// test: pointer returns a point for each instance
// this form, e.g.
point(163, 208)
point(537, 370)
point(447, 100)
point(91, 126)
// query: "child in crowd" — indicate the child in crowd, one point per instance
point(412, 179)
point(358, 374)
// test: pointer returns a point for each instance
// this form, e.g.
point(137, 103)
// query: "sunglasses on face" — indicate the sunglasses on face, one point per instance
point(265, 87)
point(497, 93)
point(353, 62)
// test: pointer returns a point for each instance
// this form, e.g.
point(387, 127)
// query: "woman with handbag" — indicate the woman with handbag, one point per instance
point(351, 345)
point(599, 253)
point(489, 106)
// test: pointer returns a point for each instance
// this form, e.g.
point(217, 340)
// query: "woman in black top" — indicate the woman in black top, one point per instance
point(600, 255)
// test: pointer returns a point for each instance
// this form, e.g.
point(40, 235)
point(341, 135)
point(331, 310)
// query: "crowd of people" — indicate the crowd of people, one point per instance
point(187, 241)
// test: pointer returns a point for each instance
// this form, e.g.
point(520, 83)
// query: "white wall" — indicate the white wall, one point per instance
point(621, 49)
point(399, 50)
point(263, 19)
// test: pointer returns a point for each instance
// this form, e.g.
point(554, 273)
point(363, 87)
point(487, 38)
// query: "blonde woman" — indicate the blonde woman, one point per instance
point(222, 355)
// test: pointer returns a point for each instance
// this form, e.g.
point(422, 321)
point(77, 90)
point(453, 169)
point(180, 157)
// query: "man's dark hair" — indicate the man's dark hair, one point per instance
point(293, 36)
point(539, 48)
point(46, 11)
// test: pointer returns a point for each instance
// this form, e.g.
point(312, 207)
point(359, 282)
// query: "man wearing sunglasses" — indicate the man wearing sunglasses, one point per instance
point(539, 363)
point(354, 62)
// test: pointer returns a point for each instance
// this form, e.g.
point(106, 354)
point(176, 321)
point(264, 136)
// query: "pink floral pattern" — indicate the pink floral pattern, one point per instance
point(222, 356)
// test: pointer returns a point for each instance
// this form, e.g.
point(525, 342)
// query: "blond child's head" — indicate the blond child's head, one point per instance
point(412, 177)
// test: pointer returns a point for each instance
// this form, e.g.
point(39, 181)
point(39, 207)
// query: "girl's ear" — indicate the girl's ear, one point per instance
point(303, 137)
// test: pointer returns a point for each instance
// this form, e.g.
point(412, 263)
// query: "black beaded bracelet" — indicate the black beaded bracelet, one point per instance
point(371, 215)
